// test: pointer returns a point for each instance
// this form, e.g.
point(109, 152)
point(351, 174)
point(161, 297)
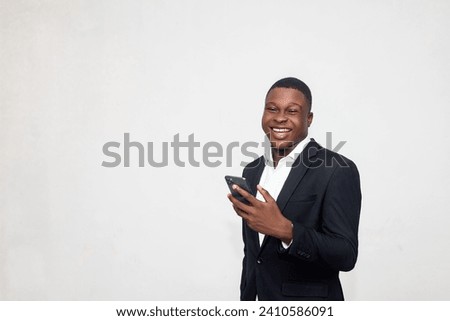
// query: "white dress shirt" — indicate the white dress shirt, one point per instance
point(273, 178)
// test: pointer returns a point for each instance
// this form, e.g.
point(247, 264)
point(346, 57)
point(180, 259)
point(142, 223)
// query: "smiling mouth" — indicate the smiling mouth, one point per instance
point(280, 130)
point(279, 133)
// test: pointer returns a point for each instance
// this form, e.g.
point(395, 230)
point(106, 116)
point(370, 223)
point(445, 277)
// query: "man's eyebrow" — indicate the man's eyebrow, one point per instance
point(295, 104)
point(289, 105)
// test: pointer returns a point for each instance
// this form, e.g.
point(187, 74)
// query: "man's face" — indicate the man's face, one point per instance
point(286, 118)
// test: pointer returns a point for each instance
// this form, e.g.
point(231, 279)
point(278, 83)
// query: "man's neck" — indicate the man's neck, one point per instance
point(278, 154)
point(297, 148)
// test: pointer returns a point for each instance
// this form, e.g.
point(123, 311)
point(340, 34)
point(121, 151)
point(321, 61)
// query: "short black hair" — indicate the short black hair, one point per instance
point(294, 83)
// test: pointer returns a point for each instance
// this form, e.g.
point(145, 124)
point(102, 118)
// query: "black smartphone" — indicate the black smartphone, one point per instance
point(242, 183)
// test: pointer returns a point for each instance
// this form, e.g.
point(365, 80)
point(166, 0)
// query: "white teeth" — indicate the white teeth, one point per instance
point(280, 130)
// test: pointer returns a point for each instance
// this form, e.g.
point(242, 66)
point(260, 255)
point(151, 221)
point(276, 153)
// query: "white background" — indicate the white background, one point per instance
point(77, 74)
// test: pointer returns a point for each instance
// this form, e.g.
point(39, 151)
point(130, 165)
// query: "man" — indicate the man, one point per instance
point(300, 227)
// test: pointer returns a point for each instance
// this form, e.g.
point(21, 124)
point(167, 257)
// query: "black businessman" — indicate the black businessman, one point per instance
point(300, 227)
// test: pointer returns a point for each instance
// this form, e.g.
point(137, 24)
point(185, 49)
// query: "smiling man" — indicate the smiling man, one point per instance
point(300, 226)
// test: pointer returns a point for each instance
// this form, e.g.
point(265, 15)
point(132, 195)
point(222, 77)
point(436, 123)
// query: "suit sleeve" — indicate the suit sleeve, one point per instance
point(335, 243)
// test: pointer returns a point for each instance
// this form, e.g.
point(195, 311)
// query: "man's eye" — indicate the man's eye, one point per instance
point(271, 109)
point(292, 111)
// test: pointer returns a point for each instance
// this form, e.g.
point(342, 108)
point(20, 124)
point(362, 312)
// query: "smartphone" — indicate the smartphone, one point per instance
point(242, 183)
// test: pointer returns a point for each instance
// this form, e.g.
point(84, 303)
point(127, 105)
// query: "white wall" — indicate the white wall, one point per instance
point(77, 74)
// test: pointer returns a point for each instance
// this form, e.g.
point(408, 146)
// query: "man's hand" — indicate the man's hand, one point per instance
point(263, 217)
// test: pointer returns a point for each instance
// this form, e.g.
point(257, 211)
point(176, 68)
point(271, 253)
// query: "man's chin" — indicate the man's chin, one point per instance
point(281, 145)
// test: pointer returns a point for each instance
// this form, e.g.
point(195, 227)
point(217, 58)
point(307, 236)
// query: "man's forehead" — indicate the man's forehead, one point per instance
point(284, 94)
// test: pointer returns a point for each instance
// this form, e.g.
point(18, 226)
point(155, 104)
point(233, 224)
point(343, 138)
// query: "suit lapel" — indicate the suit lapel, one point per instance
point(299, 169)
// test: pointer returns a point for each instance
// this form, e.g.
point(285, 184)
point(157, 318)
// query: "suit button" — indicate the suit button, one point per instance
point(259, 261)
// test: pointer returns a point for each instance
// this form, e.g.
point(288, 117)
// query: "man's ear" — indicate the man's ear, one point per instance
point(310, 118)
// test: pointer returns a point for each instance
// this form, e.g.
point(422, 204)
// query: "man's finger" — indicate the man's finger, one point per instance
point(243, 207)
point(265, 194)
point(249, 197)
point(241, 213)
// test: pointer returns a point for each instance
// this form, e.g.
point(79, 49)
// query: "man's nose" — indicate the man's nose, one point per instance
point(280, 118)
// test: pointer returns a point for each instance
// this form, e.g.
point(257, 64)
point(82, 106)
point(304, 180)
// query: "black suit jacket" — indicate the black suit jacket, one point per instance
point(322, 198)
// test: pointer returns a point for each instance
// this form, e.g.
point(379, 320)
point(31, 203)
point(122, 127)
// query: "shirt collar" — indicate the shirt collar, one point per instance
point(291, 157)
